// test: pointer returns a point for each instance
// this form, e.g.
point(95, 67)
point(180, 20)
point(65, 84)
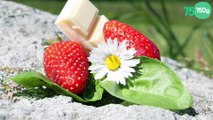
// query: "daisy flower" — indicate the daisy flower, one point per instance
point(113, 61)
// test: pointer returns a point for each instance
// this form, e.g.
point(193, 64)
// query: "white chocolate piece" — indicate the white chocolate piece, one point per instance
point(79, 14)
point(94, 38)
point(97, 35)
point(82, 25)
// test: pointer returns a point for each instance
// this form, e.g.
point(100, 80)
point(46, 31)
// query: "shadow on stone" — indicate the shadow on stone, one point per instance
point(37, 93)
point(190, 111)
point(106, 99)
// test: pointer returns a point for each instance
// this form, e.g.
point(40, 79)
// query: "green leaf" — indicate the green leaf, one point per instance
point(28, 79)
point(36, 79)
point(93, 91)
point(155, 85)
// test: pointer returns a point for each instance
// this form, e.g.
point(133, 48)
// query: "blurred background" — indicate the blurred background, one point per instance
point(186, 39)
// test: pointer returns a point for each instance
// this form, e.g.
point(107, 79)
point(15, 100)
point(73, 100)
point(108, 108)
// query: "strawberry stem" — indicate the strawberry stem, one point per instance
point(52, 41)
point(48, 42)
point(58, 37)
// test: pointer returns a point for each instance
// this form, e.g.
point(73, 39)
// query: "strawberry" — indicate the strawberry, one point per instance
point(144, 47)
point(66, 64)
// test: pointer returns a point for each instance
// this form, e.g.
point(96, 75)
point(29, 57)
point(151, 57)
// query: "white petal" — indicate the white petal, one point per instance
point(131, 51)
point(95, 59)
point(113, 47)
point(121, 77)
point(109, 41)
point(111, 76)
point(127, 69)
point(123, 45)
point(96, 67)
point(126, 72)
point(128, 54)
point(130, 63)
point(116, 76)
point(122, 80)
point(121, 48)
point(126, 57)
point(115, 43)
point(101, 74)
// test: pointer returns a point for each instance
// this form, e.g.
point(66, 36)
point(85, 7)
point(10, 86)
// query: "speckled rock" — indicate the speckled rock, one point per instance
point(21, 33)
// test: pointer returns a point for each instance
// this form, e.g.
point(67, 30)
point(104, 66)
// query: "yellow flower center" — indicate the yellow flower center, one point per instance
point(112, 62)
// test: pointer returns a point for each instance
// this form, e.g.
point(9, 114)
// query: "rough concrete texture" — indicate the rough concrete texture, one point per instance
point(22, 29)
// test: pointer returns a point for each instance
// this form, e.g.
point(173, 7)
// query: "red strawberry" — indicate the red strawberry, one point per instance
point(66, 64)
point(143, 46)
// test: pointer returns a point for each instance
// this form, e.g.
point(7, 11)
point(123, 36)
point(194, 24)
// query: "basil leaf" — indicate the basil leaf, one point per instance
point(154, 84)
point(36, 79)
point(28, 79)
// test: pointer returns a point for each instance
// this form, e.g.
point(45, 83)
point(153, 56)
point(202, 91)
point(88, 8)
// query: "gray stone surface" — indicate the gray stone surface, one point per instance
point(22, 30)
